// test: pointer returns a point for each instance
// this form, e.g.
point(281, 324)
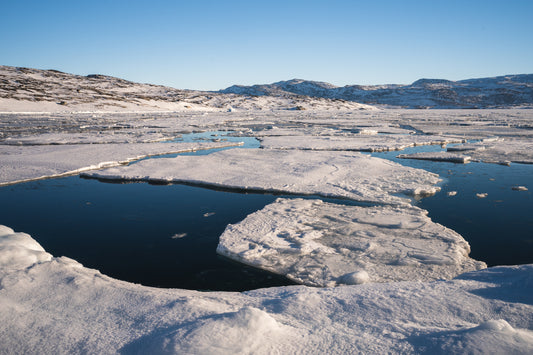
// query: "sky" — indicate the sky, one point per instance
point(210, 45)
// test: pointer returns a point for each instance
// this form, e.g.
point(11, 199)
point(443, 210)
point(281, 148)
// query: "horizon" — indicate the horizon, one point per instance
point(208, 45)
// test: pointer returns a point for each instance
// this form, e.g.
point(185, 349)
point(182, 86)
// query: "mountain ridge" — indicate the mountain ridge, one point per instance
point(514, 90)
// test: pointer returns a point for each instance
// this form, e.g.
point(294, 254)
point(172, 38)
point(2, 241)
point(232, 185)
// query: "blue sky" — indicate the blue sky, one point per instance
point(214, 44)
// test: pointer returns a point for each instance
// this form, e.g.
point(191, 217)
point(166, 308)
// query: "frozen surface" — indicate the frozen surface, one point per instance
point(356, 142)
point(509, 150)
point(56, 305)
point(323, 244)
point(333, 174)
point(23, 163)
point(438, 156)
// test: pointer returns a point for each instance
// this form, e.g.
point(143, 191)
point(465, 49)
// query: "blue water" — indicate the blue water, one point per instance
point(166, 236)
point(163, 236)
point(499, 228)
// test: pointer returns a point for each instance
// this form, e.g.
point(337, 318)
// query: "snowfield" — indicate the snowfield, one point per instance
point(55, 305)
point(378, 275)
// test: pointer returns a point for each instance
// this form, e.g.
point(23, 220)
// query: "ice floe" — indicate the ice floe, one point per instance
point(324, 244)
point(348, 175)
point(437, 156)
point(23, 163)
point(55, 305)
point(358, 142)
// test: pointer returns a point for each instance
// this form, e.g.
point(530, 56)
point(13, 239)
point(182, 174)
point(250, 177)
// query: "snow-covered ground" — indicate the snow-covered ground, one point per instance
point(53, 304)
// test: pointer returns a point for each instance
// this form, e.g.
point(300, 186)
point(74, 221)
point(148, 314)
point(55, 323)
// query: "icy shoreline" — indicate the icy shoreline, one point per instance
point(56, 305)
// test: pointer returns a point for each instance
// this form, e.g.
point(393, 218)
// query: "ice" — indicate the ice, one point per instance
point(519, 188)
point(24, 163)
point(489, 337)
point(324, 244)
point(332, 174)
point(437, 156)
point(510, 150)
point(357, 142)
point(58, 306)
point(19, 250)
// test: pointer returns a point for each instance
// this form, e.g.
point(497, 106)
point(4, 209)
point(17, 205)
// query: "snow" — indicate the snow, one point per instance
point(438, 156)
point(358, 142)
point(56, 305)
point(25, 163)
point(19, 250)
point(51, 304)
point(331, 174)
point(324, 244)
point(517, 150)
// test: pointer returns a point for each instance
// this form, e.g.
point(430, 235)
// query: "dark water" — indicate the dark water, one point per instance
point(499, 227)
point(163, 236)
point(166, 236)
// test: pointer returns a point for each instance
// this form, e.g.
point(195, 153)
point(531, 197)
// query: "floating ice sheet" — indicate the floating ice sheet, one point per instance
point(348, 175)
point(357, 142)
point(438, 156)
point(22, 163)
point(324, 244)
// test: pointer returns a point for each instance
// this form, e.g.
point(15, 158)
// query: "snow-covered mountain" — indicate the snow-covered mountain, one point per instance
point(497, 92)
point(24, 89)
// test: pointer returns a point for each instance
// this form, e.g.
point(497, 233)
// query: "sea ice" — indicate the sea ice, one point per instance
point(356, 142)
point(324, 244)
point(55, 305)
point(437, 156)
point(348, 175)
point(23, 163)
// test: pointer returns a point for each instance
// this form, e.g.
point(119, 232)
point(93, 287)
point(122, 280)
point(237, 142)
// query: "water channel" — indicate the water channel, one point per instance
point(166, 236)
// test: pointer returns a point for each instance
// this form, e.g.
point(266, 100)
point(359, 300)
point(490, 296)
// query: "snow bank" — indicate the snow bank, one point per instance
point(332, 174)
point(19, 250)
point(324, 244)
point(24, 163)
point(437, 156)
point(57, 306)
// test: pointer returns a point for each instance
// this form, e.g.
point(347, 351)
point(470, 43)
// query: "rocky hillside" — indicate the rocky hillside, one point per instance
point(24, 89)
point(498, 92)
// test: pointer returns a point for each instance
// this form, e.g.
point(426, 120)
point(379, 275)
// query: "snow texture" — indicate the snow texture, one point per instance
point(25, 163)
point(323, 244)
point(361, 142)
point(56, 305)
point(438, 156)
point(331, 174)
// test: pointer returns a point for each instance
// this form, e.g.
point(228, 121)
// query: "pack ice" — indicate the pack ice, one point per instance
point(348, 175)
point(323, 244)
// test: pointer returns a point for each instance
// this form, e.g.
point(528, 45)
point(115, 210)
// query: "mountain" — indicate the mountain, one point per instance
point(30, 90)
point(497, 92)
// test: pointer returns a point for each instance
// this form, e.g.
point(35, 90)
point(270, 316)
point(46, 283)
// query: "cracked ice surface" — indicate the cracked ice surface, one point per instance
point(348, 175)
point(55, 305)
point(324, 244)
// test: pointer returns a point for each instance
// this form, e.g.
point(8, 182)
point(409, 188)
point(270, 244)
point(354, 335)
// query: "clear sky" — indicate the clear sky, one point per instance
point(202, 44)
